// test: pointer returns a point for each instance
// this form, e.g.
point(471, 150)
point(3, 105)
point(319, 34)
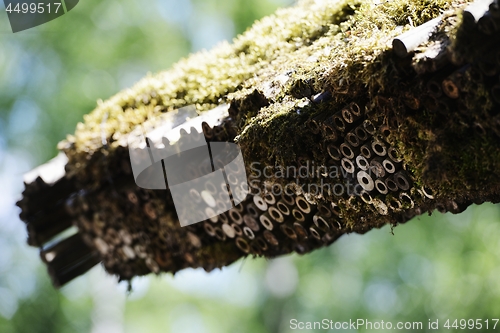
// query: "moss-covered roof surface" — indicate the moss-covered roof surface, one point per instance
point(294, 53)
point(317, 84)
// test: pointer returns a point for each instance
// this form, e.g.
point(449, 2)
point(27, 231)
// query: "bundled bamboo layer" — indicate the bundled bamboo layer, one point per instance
point(374, 134)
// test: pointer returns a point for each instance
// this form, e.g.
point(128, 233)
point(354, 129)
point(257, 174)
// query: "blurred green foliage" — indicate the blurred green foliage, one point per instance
point(442, 266)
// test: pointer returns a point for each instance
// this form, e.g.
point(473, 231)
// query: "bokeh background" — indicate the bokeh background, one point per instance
point(434, 267)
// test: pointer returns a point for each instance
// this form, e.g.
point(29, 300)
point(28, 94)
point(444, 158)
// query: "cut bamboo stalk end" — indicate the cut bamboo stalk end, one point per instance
point(410, 40)
point(473, 13)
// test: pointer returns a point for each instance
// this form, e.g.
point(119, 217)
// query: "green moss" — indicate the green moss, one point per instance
point(349, 33)
point(206, 77)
